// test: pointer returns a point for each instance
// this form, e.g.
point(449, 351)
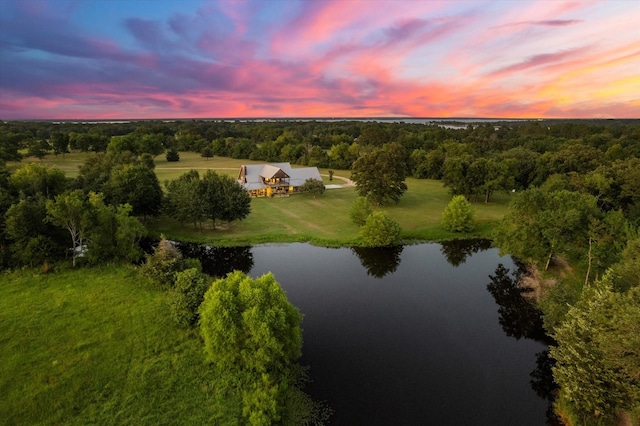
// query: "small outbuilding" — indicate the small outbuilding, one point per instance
point(278, 179)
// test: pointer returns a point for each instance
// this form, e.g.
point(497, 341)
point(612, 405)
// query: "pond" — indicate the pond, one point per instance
point(409, 335)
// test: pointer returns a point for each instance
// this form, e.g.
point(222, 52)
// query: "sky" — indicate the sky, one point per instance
point(146, 59)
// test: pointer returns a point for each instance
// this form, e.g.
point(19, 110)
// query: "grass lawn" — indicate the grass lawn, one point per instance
point(95, 346)
point(323, 220)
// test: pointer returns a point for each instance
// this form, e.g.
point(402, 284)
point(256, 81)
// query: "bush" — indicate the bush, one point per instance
point(313, 187)
point(458, 216)
point(187, 295)
point(172, 155)
point(360, 210)
point(162, 265)
point(379, 230)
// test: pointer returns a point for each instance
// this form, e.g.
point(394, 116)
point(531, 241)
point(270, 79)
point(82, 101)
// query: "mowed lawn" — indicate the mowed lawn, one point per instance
point(95, 346)
point(323, 220)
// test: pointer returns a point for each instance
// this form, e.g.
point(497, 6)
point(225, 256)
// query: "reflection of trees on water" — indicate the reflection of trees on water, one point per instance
point(379, 261)
point(542, 383)
point(457, 251)
point(519, 318)
point(219, 261)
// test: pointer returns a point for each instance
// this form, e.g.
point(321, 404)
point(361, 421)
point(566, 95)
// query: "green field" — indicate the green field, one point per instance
point(323, 220)
point(95, 346)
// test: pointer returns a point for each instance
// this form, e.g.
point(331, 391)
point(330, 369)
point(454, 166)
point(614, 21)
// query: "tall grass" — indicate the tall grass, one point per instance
point(95, 346)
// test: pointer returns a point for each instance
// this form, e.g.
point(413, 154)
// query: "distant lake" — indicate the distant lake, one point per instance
point(413, 335)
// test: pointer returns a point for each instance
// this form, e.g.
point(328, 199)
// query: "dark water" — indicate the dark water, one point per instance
point(425, 334)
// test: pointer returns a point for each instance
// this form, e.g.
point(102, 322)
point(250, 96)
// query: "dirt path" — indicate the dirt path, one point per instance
point(347, 181)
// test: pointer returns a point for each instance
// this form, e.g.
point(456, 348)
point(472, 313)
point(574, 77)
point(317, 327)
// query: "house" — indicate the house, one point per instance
point(278, 179)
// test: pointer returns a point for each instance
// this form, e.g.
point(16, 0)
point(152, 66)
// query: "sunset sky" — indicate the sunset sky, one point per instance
point(119, 59)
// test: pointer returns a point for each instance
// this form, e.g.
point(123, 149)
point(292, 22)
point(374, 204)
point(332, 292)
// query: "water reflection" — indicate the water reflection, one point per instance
point(457, 251)
point(379, 261)
point(519, 318)
point(544, 386)
point(218, 261)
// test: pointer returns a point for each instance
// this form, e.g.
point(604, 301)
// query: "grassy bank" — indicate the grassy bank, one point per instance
point(323, 220)
point(94, 346)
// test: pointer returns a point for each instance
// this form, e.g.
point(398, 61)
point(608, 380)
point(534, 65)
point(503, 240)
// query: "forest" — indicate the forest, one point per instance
point(573, 216)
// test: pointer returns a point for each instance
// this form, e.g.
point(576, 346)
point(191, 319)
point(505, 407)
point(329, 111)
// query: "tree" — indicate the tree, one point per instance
point(184, 200)
point(224, 198)
point(123, 143)
point(206, 152)
point(340, 157)
point(380, 174)
point(38, 148)
point(9, 146)
point(33, 240)
point(187, 295)
point(236, 201)
point(379, 230)
point(172, 155)
point(60, 143)
point(153, 144)
point(539, 225)
point(137, 185)
point(33, 179)
point(71, 212)
point(114, 234)
point(360, 210)
point(458, 216)
point(215, 197)
point(455, 174)
point(312, 187)
point(252, 333)
point(598, 353)
point(162, 265)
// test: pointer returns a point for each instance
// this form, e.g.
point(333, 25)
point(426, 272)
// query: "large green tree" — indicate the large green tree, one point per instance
point(136, 185)
point(598, 354)
point(32, 240)
point(252, 332)
point(184, 200)
point(215, 197)
point(114, 233)
point(33, 180)
point(540, 225)
point(60, 143)
point(380, 174)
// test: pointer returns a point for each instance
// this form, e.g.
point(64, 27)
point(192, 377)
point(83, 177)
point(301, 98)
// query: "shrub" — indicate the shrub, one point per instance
point(162, 265)
point(313, 187)
point(458, 216)
point(360, 210)
point(187, 295)
point(172, 155)
point(379, 230)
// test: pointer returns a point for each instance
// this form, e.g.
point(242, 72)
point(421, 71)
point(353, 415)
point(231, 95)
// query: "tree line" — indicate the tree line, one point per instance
point(99, 215)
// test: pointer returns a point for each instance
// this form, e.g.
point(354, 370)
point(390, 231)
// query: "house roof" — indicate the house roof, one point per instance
point(251, 175)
